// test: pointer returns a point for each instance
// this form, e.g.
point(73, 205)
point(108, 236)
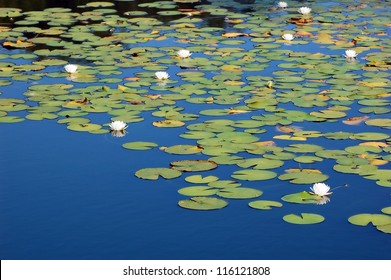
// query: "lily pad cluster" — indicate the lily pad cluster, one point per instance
point(246, 100)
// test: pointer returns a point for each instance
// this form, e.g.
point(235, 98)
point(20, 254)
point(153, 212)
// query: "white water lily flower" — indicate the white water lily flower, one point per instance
point(320, 189)
point(282, 5)
point(162, 75)
point(350, 54)
point(184, 53)
point(304, 10)
point(118, 126)
point(70, 68)
point(288, 37)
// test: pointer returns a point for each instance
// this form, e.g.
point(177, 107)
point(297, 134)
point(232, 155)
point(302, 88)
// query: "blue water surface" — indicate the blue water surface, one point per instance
point(69, 195)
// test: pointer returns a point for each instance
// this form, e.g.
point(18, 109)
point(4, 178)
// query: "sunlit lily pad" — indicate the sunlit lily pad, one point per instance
point(301, 198)
point(304, 218)
point(168, 123)
point(198, 179)
point(303, 177)
point(239, 193)
point(138, 145)
point(386, 210)
point(193, 165)
point(222, 184)
point(197, 191)
point(253, 175)
point(155, 173)
point(203, 203)
point(365, 219)
point(264, 204)
point(183, 149)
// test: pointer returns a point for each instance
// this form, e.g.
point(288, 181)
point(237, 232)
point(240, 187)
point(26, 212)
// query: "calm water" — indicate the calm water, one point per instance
point(70, 195)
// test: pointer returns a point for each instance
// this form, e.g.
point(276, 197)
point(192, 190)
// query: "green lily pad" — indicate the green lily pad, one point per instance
point(155, 173)
point(138, 145)
point(379, 122)
point(198, 179)
point(386, 210)
point(303, 177)
point(239, 193)
point(193, 165)
point(197, 191)
point(83, 127)
point(203, 203)
point(365, 219)
point(303, 219)
point(301, 198)
point(183, 149)
point(384, 228)
point(360, 219)
point(253, 175)
point(264, 204)
point(222, 184)
point(261, 163)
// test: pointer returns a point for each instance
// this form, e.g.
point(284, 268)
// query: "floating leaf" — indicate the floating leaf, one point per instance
point(155, 173)
point(253, 175)
point(379, 122)
point(203, 203)
point(303, 219)
point(183, 149)
point(386, 210)
point(198, 179)
point(193, 165)
point(239, 193)
point(261, 163)
point(197, 191)
point(365, 219)
point(301, 198)
point(264, 204)
point(138, 145)
point(168, 123)
point(222, 184)
point(303, 177)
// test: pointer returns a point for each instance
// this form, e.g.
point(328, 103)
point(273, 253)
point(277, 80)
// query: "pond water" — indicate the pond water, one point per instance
point(245, 101)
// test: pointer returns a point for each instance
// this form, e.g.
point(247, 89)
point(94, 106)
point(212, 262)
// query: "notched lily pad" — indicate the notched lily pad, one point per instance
point(264, 204)
point(193, 165)
point(239, 193)
point(303, 219)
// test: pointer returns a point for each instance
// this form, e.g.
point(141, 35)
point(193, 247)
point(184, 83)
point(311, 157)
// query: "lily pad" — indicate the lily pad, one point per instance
point(155, 173)
point(138, 145)
point(183, 149)
point(239, 193)
point(303, 177)
point(193, 165)
point(301, 198)
point(203, 203)
point(198, 179)
point(264, 204)
point(253, 175)
point(197, 191)
point(303, 218)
